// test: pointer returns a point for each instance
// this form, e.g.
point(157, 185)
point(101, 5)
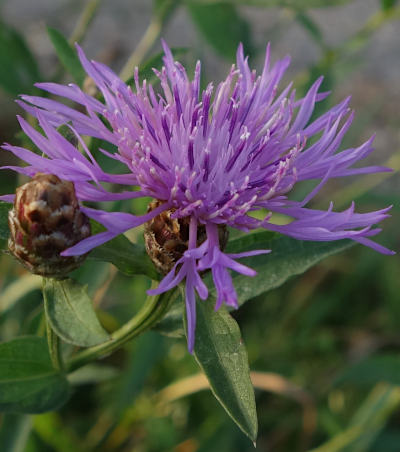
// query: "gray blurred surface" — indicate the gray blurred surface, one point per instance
point(120, 24)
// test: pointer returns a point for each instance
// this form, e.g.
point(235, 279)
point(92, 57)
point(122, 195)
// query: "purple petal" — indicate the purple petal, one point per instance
point(7, 198)
point(88, 244)
point(190, 314)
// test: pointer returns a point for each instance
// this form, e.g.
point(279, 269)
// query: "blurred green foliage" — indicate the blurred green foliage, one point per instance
point(325, 344)
point(19, 70)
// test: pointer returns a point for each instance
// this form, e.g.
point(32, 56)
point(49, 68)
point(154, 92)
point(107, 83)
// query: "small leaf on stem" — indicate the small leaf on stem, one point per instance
point(70, 313)
point(67, 55)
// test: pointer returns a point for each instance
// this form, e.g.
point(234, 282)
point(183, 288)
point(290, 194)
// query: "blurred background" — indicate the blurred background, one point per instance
point(325, 345)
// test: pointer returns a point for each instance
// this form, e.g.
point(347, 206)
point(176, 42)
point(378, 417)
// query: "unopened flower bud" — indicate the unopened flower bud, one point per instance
point(45, 221)
point(166, 238)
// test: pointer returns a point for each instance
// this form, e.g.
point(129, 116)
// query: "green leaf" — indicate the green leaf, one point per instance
point(67, 55)
point(19, 69)
point(56, 434)
point(222, 26)
point(17, 289)
point(388, 4)
point(128, 257)
point(367, 423)
point(70, 313)
point(14, 432)
point(221, 354)
point(163, 9)
point(28, 382)
point(147, 350)
point(4, 229)
point(311, 27)
point(288, 257)
point(373, 370)
point(372, 416)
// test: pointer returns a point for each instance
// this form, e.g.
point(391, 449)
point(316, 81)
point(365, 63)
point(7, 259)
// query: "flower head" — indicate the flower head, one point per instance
point(45, 221)
point(210, 157)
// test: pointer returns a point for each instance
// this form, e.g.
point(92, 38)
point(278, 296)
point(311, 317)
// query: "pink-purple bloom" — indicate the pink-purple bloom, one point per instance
point(214, 156)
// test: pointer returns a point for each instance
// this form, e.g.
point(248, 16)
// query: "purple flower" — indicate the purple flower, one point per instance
point(213, 156)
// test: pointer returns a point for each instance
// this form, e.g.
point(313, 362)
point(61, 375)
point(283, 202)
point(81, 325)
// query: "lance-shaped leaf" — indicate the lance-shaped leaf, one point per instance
point(163, 9)
point(19, 70)
point(288, 257)
point(28, 382)
point(311, 27)
point(70, 313)
point(221, 354)
point(367, 423)
point(374, 369)
point(67, 55)
point(14, 431)
point(388, 4)
point(222, 26)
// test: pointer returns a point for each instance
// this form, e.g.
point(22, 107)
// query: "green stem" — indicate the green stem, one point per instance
point(373, 24)
point(332, 56)
point(151, 34)
point(84, 21)
point(78, 33)
point(54, 344)
point(151, 312)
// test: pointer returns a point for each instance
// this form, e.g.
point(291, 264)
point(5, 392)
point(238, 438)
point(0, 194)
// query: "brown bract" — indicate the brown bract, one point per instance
point(166, 238)
point(45, 221)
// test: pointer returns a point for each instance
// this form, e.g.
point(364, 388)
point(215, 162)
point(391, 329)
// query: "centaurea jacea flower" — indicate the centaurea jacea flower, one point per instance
point(210, 157)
